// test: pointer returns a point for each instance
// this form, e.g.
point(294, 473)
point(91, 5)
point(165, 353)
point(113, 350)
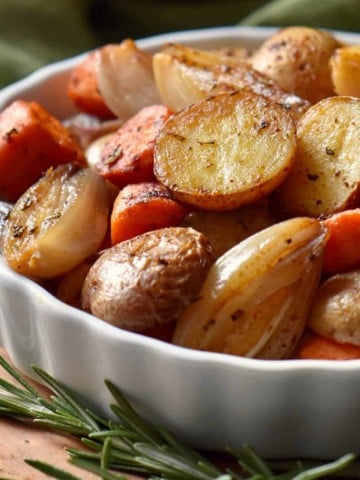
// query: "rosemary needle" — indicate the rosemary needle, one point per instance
point(131, 444)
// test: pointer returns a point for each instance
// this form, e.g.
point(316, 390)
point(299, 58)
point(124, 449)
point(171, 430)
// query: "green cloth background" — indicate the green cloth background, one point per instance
point(36, 32)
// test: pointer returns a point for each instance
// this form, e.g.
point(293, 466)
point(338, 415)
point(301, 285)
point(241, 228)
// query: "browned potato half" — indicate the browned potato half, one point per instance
point(149, 279)
point(57, 222)
point(325, 176)
point(336, 310)
point(256, 297)
point(345, 70)
point(297, 59)
point(185, 75)
point(226, 229)
point(225, 151)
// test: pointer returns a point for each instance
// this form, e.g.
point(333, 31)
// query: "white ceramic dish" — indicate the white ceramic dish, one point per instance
point(283, 408)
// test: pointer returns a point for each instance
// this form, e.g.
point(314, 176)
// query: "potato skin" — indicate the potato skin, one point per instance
point(297, 59)
point(149, 279)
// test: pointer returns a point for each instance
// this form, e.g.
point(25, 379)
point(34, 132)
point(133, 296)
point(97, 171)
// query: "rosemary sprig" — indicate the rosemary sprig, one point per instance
point(131, 444)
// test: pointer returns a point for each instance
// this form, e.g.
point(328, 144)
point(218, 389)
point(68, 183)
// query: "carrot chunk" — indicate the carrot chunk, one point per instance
point(143, 207)
point(83, 88)
point(316, 347)
point(128, 157)
point(342, 250)
point(31, 141)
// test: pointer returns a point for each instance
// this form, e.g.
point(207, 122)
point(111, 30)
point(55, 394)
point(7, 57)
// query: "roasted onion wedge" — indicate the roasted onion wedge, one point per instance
point(184, 76)
point(335, 312)
point(94, 149)
point(57, 223)
point(126, 80)
point(256, 297)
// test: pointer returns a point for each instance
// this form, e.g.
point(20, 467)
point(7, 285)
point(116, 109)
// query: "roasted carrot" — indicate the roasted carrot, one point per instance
point(314, 346)
point(83, 88)
point(142, 207)
point(342, 250)
point(31, 141)
point(128, 157)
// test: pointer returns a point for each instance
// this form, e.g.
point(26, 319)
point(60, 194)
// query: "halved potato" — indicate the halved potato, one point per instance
point(185, 75)
point(335, 313)
point(325, 177)
point(225, 151)
point(345, 70)
point(297, 59)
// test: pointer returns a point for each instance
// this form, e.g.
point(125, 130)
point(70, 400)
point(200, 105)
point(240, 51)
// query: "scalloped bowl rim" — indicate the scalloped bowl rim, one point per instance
point(185, 354)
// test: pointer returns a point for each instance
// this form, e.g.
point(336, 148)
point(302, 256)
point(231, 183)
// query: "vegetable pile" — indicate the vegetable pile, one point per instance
point(207, 198)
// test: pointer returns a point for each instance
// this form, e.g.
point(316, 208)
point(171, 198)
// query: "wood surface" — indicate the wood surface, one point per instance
point(20, 441)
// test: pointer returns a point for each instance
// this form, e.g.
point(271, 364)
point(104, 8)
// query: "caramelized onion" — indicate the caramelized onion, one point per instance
point(87, 128)
point(57, 222)
point(256, 297)
point(125, 79)
point(184, 76)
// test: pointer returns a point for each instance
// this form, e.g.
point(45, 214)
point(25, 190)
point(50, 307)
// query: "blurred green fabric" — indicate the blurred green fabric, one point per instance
point(35, 32)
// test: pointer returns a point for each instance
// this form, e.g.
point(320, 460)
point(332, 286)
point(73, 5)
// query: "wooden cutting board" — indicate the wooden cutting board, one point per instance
point(20, 441)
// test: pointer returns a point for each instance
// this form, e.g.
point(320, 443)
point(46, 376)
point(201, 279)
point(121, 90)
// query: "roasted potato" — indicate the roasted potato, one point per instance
point(297, 59)
point(256, 297)
point(345, 70)
point(185, 75)
point(325, 177)
point(335, 313)
point(226, 229)
point(149, 279)
point(225, 151)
